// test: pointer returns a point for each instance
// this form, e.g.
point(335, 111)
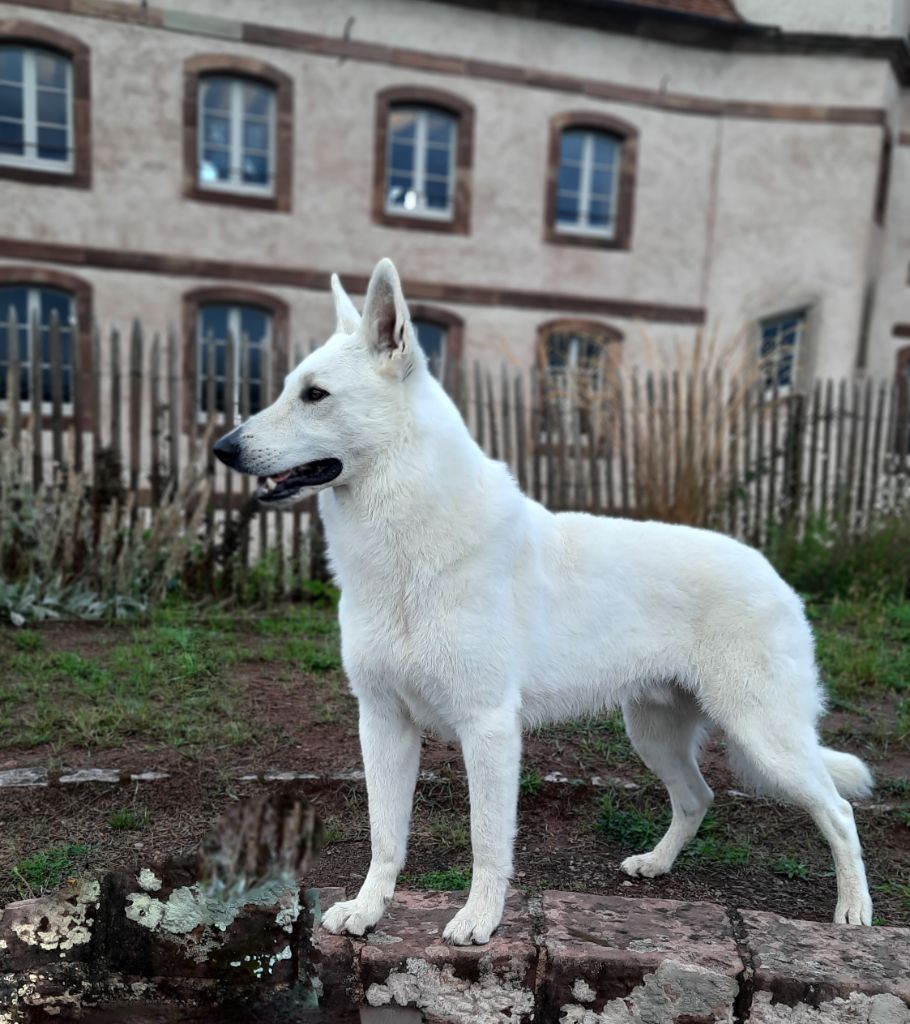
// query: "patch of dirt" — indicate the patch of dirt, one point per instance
point(307, 727)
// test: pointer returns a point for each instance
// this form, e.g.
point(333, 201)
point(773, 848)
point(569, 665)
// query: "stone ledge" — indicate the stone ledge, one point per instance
point(807, 962)
point(149, 939)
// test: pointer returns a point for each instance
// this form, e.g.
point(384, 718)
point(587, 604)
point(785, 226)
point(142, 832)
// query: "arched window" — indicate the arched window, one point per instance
point(256, 324)
point(29, 295)
point(44, 105)
point(591, 180)
point(424, 142)
point(440, 334)
point(577, 362)
point(238, 118)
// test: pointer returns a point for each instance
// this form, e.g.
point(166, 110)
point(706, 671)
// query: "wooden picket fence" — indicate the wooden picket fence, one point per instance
point(698, 447)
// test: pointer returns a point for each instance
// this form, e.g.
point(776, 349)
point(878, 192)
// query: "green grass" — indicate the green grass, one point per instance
point(531, 782)
point(787, 867)
point(632, 826)
point(164, 683)
point(450, 880)
point(128, 820)
point(46, 869)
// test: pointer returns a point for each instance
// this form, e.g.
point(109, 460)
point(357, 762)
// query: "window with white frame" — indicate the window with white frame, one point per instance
point(575, 363)
point(420, 161)
point(781, 337)
point(432, 336)
point(28, 304)
point(36, 108)
point(236, 135)
point(587, 183)
point(250, 328)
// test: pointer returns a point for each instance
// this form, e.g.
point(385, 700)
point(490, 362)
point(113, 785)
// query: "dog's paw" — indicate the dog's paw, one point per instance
point(644, 865)
point(351, 916)
point(856, 911)
point(471, 926)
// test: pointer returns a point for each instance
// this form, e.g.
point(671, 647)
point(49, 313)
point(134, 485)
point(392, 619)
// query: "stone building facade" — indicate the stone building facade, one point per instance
point(552, 180)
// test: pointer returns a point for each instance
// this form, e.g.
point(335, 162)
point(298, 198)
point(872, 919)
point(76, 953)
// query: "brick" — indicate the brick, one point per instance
point(632, 959)
point(813, 963)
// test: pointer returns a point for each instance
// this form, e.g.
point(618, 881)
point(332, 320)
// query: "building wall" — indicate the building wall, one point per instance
point(742, 211)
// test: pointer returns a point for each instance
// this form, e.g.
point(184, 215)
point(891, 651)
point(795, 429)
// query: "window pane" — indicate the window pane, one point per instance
point(51, 70)
point(255, 364)
point(440, 128)
point(17, 297)
point(52, 107)
point(438, 161)
point(599, 214)
point(431, 338)
point(256, 135)
point(53, 301)
point(605, 148)
point(402, 124)
point(216, 129)
point(11, 101)
point(399, 189)
point(213, 320)
point(567, 208)
point(401, 159)
point(215, 166)
point(52, 143)
point(11, 137)
point(255, 397)
point(257, 99)
point(437, 194)
point(10, 64)
point(572, 145)
point(570, 178)
point(256, 169)
point(254, 323)
point(216, 94)
point(602, 183)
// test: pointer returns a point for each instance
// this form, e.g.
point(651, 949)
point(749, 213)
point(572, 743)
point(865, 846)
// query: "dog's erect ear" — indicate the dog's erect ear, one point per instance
point(347, 319)
point(386, 323)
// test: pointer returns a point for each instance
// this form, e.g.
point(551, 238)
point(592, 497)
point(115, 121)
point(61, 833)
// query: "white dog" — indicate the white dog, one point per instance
point(470, 611)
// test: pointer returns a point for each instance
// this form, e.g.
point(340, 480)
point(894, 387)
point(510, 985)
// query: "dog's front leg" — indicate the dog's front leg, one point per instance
point(491, 745)
point(391, 757)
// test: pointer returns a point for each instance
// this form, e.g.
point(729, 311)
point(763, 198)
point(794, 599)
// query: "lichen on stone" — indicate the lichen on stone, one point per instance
point(495, 998)
point(58, 924)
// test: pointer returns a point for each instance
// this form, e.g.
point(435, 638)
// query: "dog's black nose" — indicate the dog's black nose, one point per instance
point(228, 449)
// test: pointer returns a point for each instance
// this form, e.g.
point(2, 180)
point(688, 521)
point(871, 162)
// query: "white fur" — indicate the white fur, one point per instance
point(470, 611)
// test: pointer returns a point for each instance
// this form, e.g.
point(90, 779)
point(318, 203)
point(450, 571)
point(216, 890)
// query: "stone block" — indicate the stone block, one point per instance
point(406, 963)
point(614, 959)
point(807, 962)
point(49, 929)
point(160, 924)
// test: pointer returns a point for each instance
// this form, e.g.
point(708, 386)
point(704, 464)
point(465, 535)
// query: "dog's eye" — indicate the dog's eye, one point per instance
point(314, 394)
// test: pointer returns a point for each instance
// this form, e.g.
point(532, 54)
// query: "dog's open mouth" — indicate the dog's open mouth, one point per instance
point(287, 484)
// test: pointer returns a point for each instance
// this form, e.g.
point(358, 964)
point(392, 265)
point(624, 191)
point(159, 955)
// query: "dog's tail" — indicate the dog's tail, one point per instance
point(850, 775)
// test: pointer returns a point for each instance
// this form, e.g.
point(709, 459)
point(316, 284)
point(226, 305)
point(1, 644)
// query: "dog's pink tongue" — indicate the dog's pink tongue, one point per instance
point(282, 476)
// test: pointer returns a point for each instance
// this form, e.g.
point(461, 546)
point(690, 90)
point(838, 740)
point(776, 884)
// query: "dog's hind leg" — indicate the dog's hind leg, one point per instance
point(780, 755)
point(667, 736)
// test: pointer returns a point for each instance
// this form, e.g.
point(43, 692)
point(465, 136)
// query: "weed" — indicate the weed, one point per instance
point(128, 820)
point(27, 640)
point(788, 867)
point(46, 869)
point(531, 782)
point(633, 828)
point(711, 846)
